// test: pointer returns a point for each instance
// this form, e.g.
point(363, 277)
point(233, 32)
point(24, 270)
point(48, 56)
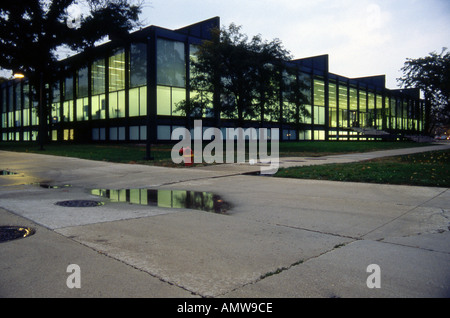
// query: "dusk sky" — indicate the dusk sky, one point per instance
point(362, 37)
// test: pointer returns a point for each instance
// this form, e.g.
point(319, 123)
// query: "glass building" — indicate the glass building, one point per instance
point(127, 90)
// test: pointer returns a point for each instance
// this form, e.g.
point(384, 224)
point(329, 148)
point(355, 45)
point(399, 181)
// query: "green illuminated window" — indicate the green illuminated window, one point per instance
point(18, 119)
point(26, 118)
point(305, 118)
point(68, 111)
point(117, 71)
point(98, 107)
point(11, 119)
point(353, 99)
point(167, 100)
point(117, 104)
point(178, 95)
point(134, 102)
point(332, 102)
point(343, 96)
point(371, 103)
point(138, 101)
point(319, 93)
point(362, 101)
point(82, 109)
point(98, 72)
point(164, 100)
point(319, 115)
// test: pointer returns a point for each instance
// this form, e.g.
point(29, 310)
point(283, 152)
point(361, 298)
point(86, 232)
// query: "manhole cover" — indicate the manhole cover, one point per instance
point(9, 233)
point(79, 203)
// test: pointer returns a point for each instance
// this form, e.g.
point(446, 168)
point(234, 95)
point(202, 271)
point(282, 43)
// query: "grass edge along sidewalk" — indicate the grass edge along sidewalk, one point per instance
point(422, 169)
point(135, 153)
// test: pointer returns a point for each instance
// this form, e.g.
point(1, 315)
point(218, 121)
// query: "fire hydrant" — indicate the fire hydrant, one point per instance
point(188, 156)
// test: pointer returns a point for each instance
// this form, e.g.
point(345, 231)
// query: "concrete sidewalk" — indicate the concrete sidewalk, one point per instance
point(282, 237)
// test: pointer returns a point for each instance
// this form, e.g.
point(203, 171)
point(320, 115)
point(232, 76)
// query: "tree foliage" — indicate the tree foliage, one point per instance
point(431, 74)
point(32, 31)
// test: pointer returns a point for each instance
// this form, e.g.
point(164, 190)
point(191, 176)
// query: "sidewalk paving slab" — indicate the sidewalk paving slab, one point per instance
point(282, 237)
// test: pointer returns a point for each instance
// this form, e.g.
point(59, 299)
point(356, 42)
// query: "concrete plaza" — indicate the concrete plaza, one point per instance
point(281, 238)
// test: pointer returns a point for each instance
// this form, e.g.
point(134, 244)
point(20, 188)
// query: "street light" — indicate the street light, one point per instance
point(18, 75)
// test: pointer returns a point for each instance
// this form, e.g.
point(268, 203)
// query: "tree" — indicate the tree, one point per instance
point(236, 76)
point(295, 97)
point(34, 30)
point(431, 74)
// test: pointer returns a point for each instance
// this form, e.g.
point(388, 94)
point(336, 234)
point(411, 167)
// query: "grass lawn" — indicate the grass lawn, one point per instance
point(130, 153)
point(425, 169)
point(121, 153)
point(324, 148)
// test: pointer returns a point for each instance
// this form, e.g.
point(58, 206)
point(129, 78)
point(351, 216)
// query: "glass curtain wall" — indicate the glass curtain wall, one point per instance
point(362, 95)
point(98, 86)
point(354, 111)
point(116, 79)
point(138, 80)
point(68, 100)
point(343, 105)
point(171, 76)
point(371, 119)
point(82, 91)
point(379, 111)
point(26, 105)
point(306, 85)
point(332, 102)
point(319, 102)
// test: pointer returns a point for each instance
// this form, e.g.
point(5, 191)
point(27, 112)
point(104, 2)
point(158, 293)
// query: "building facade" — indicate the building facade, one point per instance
point(127, 90)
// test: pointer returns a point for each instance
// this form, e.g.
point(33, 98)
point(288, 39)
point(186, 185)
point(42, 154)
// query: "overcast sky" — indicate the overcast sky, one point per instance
point(361, 37)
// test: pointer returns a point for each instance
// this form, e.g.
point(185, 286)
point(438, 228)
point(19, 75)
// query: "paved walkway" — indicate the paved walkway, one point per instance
point(282, 237)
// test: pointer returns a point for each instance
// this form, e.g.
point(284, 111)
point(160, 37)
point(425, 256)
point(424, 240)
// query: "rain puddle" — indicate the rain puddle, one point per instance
point(177, 199)
point(51, 186)
point(6, 173)
point(9, 233)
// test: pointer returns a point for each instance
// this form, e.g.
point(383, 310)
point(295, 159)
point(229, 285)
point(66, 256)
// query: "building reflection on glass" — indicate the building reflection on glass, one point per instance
point(178, 199)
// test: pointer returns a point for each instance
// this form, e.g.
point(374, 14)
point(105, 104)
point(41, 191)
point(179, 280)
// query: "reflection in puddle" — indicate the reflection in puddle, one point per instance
point(50, 186)
point(178, 199)
point(6, 173)
point(9, 233)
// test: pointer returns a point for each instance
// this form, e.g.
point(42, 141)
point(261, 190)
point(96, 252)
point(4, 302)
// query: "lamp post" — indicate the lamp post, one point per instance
point(21, 75)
